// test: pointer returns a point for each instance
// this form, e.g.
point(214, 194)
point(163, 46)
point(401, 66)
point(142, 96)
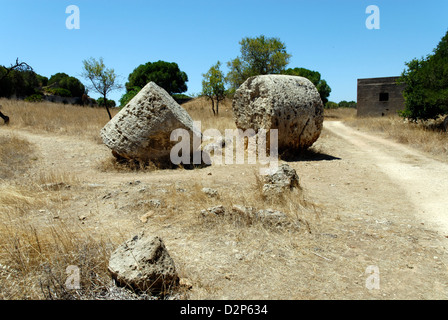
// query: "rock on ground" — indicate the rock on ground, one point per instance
point(143, 264)
point(290, 104)
point(250, 215)
point(211, 193)
point(142, 129)
point(284, 178)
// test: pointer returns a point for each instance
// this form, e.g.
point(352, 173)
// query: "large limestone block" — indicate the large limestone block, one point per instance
point(142, 129)
point(290, 104)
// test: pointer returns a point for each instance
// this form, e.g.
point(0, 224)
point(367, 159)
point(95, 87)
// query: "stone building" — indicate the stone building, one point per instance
point(379, 97)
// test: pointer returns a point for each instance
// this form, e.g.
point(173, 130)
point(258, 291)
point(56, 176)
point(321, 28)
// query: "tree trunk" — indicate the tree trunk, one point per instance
point(4, 117)
point(107, 108)
point(217, 106)
point(213, 105)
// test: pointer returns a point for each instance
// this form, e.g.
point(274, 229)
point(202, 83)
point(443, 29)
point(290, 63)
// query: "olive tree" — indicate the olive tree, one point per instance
point(259, 56)
point(213, 86)
point(103, 80)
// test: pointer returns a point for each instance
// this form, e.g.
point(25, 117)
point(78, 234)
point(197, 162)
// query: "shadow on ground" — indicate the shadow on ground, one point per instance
point(307, 155)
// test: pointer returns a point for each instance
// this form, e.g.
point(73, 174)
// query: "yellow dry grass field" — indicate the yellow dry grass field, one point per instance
point(65, 202)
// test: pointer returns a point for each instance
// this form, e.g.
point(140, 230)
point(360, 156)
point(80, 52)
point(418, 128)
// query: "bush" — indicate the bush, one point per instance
point(331, 105)
point(19, 83)
point(110, 103)
point(59, 92)
point(73, 85)
point(128, 96)
point(64, 81)
point(347, 104)
point(37, 97)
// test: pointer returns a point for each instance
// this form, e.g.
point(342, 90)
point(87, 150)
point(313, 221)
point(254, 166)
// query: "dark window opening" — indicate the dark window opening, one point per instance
point(384, 96)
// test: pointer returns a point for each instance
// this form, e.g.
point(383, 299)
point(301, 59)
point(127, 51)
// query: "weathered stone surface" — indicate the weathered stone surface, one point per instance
point(143, 264)
point(213, 211)
point(445, 124)
point(212, 193)
point(250, 215)
point(284, 178)
point(290, 104)
point(142, 129)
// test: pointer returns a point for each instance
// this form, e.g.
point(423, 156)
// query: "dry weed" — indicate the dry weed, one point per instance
point(427, 136)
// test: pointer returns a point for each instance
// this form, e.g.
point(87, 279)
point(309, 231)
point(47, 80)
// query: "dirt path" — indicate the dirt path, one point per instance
point(424, 180)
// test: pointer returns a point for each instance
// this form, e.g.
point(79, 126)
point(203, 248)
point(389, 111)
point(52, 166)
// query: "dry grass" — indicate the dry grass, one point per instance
point(35, 250)
point(56, 118)
point(427, 136)
point(339, 114)
point(15, 155)
point(200, 110)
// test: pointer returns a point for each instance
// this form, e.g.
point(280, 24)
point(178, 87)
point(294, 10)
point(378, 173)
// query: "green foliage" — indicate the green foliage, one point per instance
point(59, 92)
point(331, 105)
point(73, 85)
point(110, 103)
point(165, 74)
point(103, 80)
point(56, 78)
point(181, 96)
point(37, 97)
point(43, 81)
point(64, 81)
point(426, 91)
point(17, 82)
point(128, 96)
point(321, 85)
point(213, 85)
point(342, 104)
point(259, 56)
point(347, 104)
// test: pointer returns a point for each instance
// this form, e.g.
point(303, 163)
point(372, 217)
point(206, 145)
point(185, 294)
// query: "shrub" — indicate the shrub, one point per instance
point(64, 81)
point(331, 105)
point(128, 96)
point(37, 97)
point(59, 92)
point(110, 103)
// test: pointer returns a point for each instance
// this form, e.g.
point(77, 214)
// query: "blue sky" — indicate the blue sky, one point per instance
point(329, 36)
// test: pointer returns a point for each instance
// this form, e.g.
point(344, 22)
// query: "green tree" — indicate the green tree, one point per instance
point(57, 77)
point(64, 81)
point(321, 85)
point(19, 83)
point(18, 79)
point(103, 80)
point(347, 104)
point(110, 103)
point(124, 100)
point(426, 80)
point(165, 74)
point(213, 86)
point(73, 85)
point(331, 105)
point(259, 56)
